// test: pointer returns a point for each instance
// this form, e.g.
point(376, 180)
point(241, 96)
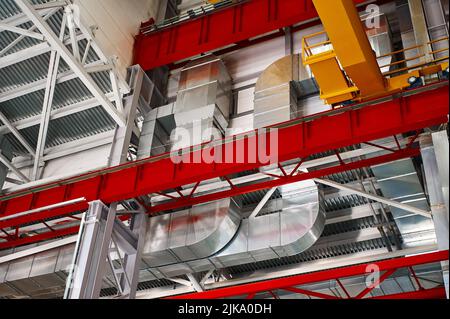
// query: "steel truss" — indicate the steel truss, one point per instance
point(61, 47)
point(293, 284)
point(298, 139)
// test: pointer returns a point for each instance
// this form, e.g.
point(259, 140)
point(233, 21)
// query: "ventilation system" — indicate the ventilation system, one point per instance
point(216, 235)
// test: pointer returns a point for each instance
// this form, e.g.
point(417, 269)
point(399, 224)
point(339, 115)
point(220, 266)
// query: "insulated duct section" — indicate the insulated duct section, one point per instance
point(216, 235)
point(202, 104)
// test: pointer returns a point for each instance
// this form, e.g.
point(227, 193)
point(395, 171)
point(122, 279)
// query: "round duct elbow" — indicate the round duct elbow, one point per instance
point(192, 234)
point(295, 225)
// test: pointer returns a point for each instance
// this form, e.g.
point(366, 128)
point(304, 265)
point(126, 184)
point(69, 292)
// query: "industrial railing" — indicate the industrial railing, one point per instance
point(424, 50)
point(191, 14)
point(307, 49)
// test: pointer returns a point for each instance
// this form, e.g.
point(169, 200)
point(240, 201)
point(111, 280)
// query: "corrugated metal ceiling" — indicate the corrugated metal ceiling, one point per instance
point(31, 71)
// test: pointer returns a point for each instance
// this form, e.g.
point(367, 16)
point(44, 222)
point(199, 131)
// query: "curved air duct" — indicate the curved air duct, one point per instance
point(215, 235)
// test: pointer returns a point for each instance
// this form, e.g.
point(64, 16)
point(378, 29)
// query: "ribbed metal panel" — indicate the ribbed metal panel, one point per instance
point(29, 71)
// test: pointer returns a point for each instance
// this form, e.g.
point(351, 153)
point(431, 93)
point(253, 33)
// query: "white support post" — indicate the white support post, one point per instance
point(46, 111)
point(71, 61)
point(92, 248)
point(72, 33)
point(132, 261)
point(122, 138)
point(115, 86)
point(435, 150)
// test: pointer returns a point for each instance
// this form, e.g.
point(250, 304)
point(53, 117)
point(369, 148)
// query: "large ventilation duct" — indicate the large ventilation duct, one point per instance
point(285, 91)
point(210, 236)
point(179, 243)
point(203, 103)
point(399, 181)
point(215, 235)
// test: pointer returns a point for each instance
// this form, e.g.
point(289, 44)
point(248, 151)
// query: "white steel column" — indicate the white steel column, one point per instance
point(434, 149)
point(123, 135)
point(92, 249)
point(46, 111)
point(129, 280)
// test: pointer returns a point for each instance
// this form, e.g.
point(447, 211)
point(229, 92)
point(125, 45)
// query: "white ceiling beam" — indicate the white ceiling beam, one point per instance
point(17, 134)
point(75, 65)
point(31, 52)
point(24, 55)
point(21, 31)
point(376, 198)
point(56, 114)
point(21, 18)
point(51, 4)
point(17, 41)
point(99, 68)
point(69, 148)
point(38, 249)
point(40, 85)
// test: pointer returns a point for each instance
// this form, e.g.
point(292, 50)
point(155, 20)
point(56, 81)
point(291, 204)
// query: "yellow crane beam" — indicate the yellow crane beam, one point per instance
point(346, 32)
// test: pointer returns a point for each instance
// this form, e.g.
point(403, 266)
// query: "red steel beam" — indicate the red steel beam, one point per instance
point(30, 238)
point(39, 237)
point(220, 29)
point(317, 277)
point(239, 190)
point(188, 200)
point(297, 139)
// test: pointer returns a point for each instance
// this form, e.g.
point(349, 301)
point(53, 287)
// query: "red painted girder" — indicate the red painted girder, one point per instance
point(219, 29)
point(297, 139)
point(317, 277)
point(407, 153)
point(39, 238)
point(239, 190)
point(30, 238)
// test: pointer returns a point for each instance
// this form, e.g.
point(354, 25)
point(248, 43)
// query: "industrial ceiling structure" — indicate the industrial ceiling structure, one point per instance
point(257, 149)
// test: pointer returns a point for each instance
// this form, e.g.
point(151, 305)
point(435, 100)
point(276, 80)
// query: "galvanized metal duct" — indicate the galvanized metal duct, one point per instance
point(399, 181)
point(208, 236)
point(285, 91)
point(203, 103)
point(275, 95)
point(182, 242)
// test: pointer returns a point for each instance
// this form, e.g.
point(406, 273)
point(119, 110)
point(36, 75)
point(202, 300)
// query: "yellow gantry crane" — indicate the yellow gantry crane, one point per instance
point(349, 70)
